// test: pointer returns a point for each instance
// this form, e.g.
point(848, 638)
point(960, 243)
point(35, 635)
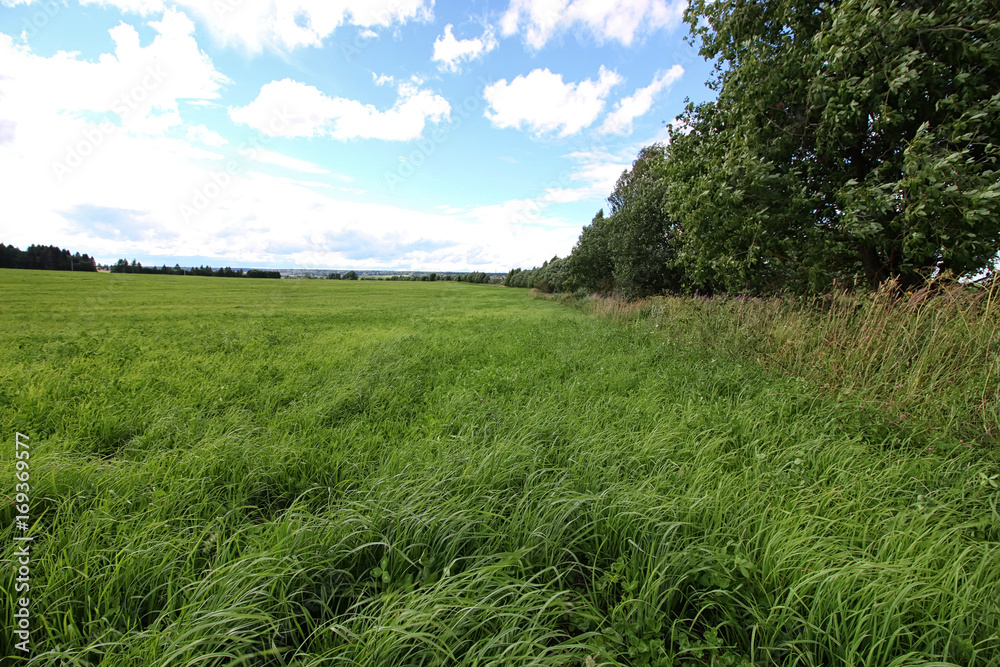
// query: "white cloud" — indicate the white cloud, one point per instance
point(606, 20)
point(592, 178)
point(282, 24)
point(137, 87)
point(69, 115)
point(147, 181)
point(202, 135)
point(449, 52)
point(292, 109)
point(280, 160)
point(542, 102)
point(638, 103)
point(596, 168)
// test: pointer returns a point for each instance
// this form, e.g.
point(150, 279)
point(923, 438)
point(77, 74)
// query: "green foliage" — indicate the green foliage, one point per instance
point(552, 276)
point(849, 139)
point(258, 273)
point(122, 266)
point(591, 267)
point(642, 239)
point(632, 252)
point(477, 277)
point(350, 275)
point(44, 258)
point(859, 137)
point(743, 222)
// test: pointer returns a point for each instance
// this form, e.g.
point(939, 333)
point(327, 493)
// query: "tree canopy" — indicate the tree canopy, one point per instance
point(44, 258)
point(858, 136)
point(849, 139)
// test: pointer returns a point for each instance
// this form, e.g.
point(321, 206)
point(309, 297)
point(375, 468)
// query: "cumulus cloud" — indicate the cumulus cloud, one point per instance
point(619, 121)
point(606, 20)
point(145, 180)
point(137, 86)
point(282, 24)
point(290, 108)
point(449, 52)
point(542, 102)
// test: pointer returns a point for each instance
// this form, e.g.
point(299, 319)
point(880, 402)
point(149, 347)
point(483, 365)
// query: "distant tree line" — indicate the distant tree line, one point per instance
point(475, 277)
point(123, 266)
point(850, 142)
point(259, 273)
point(551, 276)
point(44, 258)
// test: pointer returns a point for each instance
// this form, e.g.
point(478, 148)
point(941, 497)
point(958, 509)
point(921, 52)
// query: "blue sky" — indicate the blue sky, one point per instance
point(378, 134)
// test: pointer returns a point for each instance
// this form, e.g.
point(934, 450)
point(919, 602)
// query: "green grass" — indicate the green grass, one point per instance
point(928, 361)
point(240, 472)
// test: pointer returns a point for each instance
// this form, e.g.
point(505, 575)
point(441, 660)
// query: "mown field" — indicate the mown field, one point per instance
point(241, 472)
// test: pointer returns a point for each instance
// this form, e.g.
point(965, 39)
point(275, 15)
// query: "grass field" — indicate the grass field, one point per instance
point(243, 472)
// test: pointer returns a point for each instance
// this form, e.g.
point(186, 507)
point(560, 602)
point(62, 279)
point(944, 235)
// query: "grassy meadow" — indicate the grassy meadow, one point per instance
point(270, 473)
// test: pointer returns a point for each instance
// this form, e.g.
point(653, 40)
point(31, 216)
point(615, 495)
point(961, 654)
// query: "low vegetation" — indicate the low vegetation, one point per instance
point(437, 473)
point(927, 361)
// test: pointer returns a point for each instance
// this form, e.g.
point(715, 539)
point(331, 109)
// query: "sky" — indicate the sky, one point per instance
point(364, 134)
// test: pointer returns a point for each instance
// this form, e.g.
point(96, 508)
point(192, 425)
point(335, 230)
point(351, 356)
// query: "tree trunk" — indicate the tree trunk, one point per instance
point(875, 269)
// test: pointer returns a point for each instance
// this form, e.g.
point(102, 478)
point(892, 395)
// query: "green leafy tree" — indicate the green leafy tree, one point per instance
point(590, 265)
point(642, 239)
point(849, 137)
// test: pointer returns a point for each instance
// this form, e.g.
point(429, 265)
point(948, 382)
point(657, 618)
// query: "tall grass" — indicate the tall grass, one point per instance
point(928, 360)
point(322, 473)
